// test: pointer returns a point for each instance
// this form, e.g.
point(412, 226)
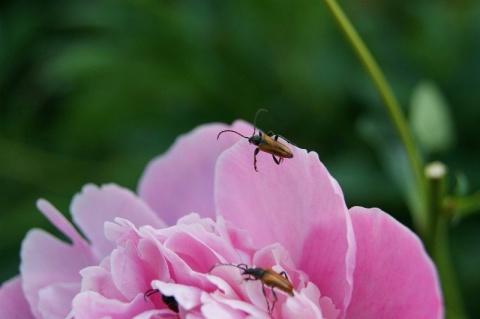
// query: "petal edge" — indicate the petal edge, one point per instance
point(394, 277)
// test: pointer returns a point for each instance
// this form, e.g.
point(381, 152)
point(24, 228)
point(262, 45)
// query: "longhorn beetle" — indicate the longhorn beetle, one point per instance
point(170, 301)
point(268, 277)
point(267, 143)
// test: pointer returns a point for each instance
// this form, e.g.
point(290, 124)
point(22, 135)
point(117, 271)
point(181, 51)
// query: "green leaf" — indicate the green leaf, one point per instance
point(464, 206)
point(430, 118)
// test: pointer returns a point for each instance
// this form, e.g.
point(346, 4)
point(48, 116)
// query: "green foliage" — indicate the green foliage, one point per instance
point(430, 118)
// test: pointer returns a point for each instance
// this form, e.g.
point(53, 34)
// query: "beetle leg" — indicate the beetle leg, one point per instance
point(284, 274)
point(249, 277)
point(266, 299)
point(255, 158)
point(149, 292)
point(270, 133)
point(276, 160)
point(275, 298)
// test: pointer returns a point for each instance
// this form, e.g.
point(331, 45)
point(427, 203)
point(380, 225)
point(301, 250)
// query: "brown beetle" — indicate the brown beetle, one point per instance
point(268, 277)
point(267, 143)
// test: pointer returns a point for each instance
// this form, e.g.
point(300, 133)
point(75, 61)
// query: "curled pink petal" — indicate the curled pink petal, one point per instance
point(181, 181)
point(90, 304)
point(157, 314)
point(99, 279)
point(57, 292)
point(50, 263)
point(13, 304)
point(216, 306)
point(95, 206)
point(301, 308)
point(61, 223)
point(324, 304)
point(186, 296)
point(394, 277)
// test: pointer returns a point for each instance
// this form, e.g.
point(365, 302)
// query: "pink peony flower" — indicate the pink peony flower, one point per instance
point(203, 204)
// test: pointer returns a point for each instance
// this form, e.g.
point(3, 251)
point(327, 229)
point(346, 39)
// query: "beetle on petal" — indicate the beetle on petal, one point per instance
point(267, 143)
point(268, 277)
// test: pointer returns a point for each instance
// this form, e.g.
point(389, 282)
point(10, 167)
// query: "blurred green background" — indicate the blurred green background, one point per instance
point(90, 91)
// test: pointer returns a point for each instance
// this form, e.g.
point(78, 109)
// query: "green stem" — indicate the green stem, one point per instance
point(430, 221)
point(420, 217)
point(441, 254)
point(440, 246)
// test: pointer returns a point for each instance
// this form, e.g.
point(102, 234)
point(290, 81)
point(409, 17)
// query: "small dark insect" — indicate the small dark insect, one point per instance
point(267, 143)
point(268, 277)
point(170, 301)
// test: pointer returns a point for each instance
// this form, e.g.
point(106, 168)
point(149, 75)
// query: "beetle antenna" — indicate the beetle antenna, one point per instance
point(255, 119)
point(232, 132)
point(239, 266)
point(149, 292)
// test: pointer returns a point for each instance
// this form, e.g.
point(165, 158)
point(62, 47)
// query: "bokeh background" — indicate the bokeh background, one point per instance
point(90, 91)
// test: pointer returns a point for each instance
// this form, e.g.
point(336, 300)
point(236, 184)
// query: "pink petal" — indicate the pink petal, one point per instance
point(297, 204)
point(181, 181)
point(139, 252)
point(230, 287)
point(128, 271)
point(61, 223)
point(95, 206)
point(180, 270)
point(328, 308)
point(217, 310)
point(327, 268)
point(200, 248)
point(394, 277)
point(48, 261)
point(217, 306)
point(301, 307)
point(278, 203)
point(121, 231)
point(188, 297)
point(152, 257)
point(157, 314)
point(99, 279)
point(254, 292)
point(13, 304)
point(90, 304)
point(324, 304)
point(59, 291)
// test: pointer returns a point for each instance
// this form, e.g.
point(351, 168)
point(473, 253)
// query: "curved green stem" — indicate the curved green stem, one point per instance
point(430, 221)
point(420, 217)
